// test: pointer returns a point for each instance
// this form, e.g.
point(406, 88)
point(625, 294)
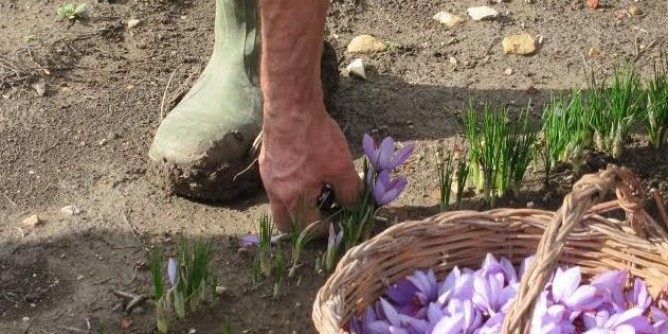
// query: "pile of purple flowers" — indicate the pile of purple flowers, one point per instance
point(384, 159)
point(475, 302)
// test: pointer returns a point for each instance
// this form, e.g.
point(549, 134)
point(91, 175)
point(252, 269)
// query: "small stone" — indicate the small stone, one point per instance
point(508, 71)
point(594, 52)
point(634, 10)
point(366, 44)
point(530, 204)
point(33, 305)
point(71, 210)
point(593, 4)
point(448, 19)
point(25, 319)
point(453, 61)
point(33, 221)
point(192, 331)
point(133, 23)
point(523, 44)
point(80, 277)
point(40, 88)
point(356, 68)
point(482, 12)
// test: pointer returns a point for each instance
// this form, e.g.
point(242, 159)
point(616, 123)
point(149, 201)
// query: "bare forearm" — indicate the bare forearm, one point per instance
point(292, 39)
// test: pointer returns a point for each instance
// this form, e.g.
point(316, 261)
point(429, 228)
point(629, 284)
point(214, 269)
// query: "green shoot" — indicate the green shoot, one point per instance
point(225, 327)
point(567, 130)
point(613, 112)
point(656, 119)
point(461, 176)
point(280, 271)
point(499, 154)
point(71, 11)
point(623, 107)
point(519, 151)
point(445, 181)
point(194, 270)
point(264, 245)
point(156, 272)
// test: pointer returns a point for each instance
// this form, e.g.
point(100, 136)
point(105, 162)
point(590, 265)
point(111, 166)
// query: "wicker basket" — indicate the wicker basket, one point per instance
point(577, 234)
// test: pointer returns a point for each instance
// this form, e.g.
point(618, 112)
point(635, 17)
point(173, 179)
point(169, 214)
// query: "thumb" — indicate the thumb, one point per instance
point(347, 186)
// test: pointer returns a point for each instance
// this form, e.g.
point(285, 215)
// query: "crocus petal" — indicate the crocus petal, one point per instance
point(584, 298)
point(402, 155)
point(565, 283)
point(383, 195)
point(390, 312)
point(385, 156)
point(401, 292)
point(449, 325)
point(641, 297)
point(254, 239)
point(369, 147)
point(508, 270)
point(599, 331)
point(171, 270)
point(434, 313)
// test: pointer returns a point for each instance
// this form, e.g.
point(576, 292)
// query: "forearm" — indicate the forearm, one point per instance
point(292, 40)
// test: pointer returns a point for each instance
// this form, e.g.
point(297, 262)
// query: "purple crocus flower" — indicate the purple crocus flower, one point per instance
point(254, 239)
point(458, 284)
point(414, 293)
point(384, 157)
point(610, 286)
point(566, 289)
point(630, 321)
point(386, 190)
point(172, 270)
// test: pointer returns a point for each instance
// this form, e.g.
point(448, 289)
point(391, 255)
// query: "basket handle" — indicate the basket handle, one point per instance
point(587, 192)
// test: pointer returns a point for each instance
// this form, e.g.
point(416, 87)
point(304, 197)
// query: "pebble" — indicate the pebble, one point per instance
point(356, 68)
point(523, 44)
point(634, 10)
point(508, 71)
point(482, 12)
point(133, 23)
point(71, 210)
point(33, 221)
point(40, 89)
point(25, 319)
point(365, 44)
point(192, 331)
point(453, 61)
point(593, 4)
point(448, 19)
point(594, 52)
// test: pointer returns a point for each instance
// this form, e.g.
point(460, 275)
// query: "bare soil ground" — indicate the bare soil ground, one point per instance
point(84, 142)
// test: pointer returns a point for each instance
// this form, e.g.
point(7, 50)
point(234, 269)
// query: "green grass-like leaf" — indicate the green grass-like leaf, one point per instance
point(156, 256)
point(656, 118)
point(445, 178)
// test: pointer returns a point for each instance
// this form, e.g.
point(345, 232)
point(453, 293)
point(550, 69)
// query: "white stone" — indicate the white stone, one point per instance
point(448, 19)
point(356, 68)
point(482, 12)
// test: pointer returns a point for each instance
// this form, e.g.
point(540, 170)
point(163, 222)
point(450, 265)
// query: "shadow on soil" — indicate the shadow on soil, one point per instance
point(37, 281)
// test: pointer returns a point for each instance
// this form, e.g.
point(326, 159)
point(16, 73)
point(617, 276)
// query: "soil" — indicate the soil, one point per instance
point(84, 141)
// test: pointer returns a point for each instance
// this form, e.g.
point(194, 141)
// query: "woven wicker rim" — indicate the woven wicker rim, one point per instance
point(576, 234)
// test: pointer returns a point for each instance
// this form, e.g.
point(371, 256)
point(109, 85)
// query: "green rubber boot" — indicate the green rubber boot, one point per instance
point(202, 149)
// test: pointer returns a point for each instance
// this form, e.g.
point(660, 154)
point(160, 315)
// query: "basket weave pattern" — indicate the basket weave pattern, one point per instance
point(577, 234)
